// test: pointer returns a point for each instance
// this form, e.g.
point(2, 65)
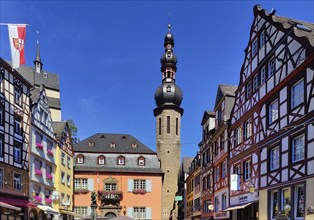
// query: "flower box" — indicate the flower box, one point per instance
point(38, 172)
point(114, 195)
point(49, 152)
point(139, 191)
point(48, 201)
point(37, 198)
point(49, 176)
point(39, 145)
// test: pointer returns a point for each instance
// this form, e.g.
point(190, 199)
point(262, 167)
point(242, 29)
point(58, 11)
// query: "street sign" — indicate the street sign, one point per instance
point(178, 198)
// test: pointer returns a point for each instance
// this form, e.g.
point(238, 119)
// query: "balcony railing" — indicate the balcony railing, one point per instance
point(113, 195)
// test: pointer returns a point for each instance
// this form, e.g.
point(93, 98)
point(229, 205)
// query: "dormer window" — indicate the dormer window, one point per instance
point(91, 143)
point(134, 145)
point(101, 160)
point(80, 159)
point(121, 160)
point(141, 161)
point(112, 145)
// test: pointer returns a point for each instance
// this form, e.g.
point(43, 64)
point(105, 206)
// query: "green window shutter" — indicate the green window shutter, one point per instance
point(148, 213)
point(130, 185)
point(90, 184)
point(130, 212)
point(148, 185)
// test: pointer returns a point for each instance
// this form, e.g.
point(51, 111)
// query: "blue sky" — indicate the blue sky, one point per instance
point(107, 56)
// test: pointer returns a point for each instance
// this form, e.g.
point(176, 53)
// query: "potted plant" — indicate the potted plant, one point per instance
point(38, 172)
point(49, 152)
point(49, 176)
point(282, 215)
point(37, 199)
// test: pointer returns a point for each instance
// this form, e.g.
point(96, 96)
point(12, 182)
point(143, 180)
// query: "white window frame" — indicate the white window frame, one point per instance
point(273, 215)
point(62, 177)
point(17, 181)
point(63, 158)
point(121, 160)
point(17, 149)
point(274, 158)
point(238, 135)
point(254, 47)
point(255, 83)
point(247, 170)
point(110, 186)
point(248, 88)
point(101, 160)
point(271, 67)
point(139, 212)
point(298, 148)
point(17, 126)
point(141, 161)
point(216, 203)
point(224, 201)
point(263, 75)
point(298, 202)
point(17, 95)
point(80, 159)
point(247, 131)
point(68, 180)
point(273, 111)
point(139, 184)
point(261, 39)
point(223, 170)
point(297, 93)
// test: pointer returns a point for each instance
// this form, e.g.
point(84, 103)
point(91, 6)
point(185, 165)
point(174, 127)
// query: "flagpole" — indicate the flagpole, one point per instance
point(14, 24)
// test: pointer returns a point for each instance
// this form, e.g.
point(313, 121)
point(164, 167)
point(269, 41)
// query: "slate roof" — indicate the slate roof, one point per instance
point(102, 143)
point(186, 163)
point(302, 29)
point(206, 115)
point(225, 90)
point(58, 127)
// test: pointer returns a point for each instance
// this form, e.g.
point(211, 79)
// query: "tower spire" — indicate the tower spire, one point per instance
point(37, 62)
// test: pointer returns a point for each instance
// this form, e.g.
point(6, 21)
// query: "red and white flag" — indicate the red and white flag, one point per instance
point(17, 35)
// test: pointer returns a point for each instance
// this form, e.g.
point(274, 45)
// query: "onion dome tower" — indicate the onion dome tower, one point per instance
point(168, 112)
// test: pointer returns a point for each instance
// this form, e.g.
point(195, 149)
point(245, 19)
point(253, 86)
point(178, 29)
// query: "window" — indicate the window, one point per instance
point(208, 181)
point(139, 212)
point(247, 170)
point(237, 169)
point(101, 160)
point(44, 117)
point(1, 113)
point(237, 136)
point(38, 164)
point(18, 126)
point(141, 161)
point(91, 143)
point(248, 90)
point(299, 199)
point(1, 80)
point(271, 67)
point(254, 47)
point(297, 94)
point(39, 138)
point(1, 177)
point(286, 201)
point(139, 184)
point(222, 141)
point(223, 170)
point(261, 39)
point(159, 126)
point(274, 158)
point(273, 111)
point(216, 204)
point(80, 210)
point(62, 177)
point(17, 181)
point(17, 95)
point(80, 159)
point(69, 162)
point(110, 186)
point(223, 201)
point(17, 154)
point(168, 124)
point(255, 83)
point(80, 183)
point(263, 75)
point(63, 158)
point(121, 160)
point(247, 131)
point(274, 204)
point(68, 180)
point(298, 148)
point(1, 146)
point(216, 174)
point(177, 126)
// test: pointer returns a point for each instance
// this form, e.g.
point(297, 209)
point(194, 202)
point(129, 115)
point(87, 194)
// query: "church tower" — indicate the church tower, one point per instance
point(168, 114)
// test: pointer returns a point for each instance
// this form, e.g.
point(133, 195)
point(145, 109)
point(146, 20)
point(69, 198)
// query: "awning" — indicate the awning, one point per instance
point(240, 206)
point(48, 209)
point(17, 202)
point(5, 205)
point(67, 212)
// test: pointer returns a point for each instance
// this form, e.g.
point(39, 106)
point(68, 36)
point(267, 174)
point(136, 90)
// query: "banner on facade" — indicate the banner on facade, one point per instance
point(234, 182)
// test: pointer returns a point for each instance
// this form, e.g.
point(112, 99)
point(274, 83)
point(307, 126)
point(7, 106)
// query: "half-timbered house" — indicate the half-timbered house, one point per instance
point(42, 156)
point(14, 142)
point(223, 105)
point(272, 121)
point(208, 128)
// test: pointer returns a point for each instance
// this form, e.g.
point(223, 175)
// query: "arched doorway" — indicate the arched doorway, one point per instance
point(110, 215)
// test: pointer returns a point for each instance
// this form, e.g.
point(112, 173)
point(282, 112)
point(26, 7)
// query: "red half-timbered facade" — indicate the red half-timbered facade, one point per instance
point(207, 193)
point(223, 105)
point(272, 121)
